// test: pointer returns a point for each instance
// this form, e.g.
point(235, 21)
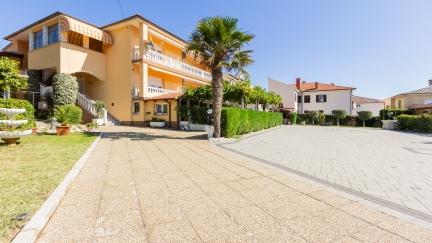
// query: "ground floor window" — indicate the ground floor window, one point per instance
point(136, 107)
point(161, 108)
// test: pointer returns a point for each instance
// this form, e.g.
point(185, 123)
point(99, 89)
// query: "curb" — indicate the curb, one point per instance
point(32, 229)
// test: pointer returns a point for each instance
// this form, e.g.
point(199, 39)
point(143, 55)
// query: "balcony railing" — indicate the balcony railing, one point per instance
point(170, 62)
point(155, 90)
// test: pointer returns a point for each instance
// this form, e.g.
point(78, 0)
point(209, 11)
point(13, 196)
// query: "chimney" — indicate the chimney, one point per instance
point(430, 82)
point(332, 84)
point(298, 83)
point(316, 85)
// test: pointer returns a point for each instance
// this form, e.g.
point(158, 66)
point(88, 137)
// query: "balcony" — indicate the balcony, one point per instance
point(169, 62)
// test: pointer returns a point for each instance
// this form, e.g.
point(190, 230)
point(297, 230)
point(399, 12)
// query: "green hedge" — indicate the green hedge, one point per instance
point(396, 112)
point(14, 103)
point(419, 123)
point(236, 121)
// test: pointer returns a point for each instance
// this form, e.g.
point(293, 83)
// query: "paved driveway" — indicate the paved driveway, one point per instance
point(393, 167)
point(151, 185)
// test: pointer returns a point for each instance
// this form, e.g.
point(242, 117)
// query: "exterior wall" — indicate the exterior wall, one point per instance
point(44, 58)
point(78, 59)
point(336, 100)
point(417, 99)
point(288, 92)
point(373, 107)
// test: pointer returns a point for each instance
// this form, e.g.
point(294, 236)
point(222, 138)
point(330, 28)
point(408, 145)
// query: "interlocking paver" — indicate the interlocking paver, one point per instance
point(149, 185)
point(390, 165)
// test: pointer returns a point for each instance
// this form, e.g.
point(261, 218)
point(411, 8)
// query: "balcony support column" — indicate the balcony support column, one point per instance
point(144, 79)
point(31, 40)
point(143, 38)
point(44, 35)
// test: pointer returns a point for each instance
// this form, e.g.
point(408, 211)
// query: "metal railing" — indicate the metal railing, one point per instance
point(161, 59)
point(87, 104)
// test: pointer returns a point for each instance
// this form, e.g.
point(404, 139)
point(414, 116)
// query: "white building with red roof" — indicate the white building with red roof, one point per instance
point(367, 104)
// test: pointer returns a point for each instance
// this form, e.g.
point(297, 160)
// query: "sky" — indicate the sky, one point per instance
point(381, 47)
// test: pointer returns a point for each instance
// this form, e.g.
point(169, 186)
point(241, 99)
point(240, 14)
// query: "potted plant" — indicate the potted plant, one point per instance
point(67, 115)
point(91, 126)
point(100, 108)
point(157, 122)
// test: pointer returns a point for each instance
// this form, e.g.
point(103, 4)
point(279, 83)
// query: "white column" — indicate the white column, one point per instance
point(143, 39)
point(144, 79)
point(31, 40)
point(44, 35)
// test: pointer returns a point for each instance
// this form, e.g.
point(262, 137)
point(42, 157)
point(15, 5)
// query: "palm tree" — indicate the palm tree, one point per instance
point(218, 43)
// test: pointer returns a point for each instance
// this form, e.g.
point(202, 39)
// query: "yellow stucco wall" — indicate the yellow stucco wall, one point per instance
point(44, 58)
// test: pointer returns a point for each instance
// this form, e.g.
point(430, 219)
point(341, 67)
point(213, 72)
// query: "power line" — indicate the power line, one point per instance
point(121, 8)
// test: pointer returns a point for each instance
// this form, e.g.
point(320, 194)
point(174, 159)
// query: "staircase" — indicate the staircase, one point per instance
point(89, 106)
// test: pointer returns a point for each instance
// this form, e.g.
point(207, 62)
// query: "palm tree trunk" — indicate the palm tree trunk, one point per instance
point(217, 89)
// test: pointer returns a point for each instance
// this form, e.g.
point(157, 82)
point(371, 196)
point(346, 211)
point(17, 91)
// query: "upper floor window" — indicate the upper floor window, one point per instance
point(53, 34)
point(307, 99)
point(75, 38)
point(95, 45)
point(37, 39)
point(321, 98)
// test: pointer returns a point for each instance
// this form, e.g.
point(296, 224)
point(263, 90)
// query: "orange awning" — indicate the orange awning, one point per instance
point(70, 24)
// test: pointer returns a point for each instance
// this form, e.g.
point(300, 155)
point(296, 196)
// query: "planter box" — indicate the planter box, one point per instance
point(389, 124)
point(197, 127)
point(157, 124)
point(184, 125)
point(99, 121)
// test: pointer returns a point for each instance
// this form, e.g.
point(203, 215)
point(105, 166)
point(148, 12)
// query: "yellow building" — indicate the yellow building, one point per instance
point(136, 67)
point(419, 100)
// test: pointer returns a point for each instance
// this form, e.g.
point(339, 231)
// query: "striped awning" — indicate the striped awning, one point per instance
point(70, 24)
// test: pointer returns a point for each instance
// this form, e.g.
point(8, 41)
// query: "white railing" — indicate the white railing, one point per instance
point(170, 62)
point(155, 90)
point(87, 104)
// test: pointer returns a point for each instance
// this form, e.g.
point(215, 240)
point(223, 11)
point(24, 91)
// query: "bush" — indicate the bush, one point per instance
point(312, 115)
point(65, 89)
point(100, 105)
point(419, 123)
point(396, 112)
point(27, 115)
point(364, 115)
point(293, 117)
point(339, 115)
point(68, 114)
point(199, 115)
point(236, 121)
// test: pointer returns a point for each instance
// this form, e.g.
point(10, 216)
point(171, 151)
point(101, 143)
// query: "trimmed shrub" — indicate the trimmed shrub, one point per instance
point(293, 117)
point(384, 113)
point(68, 114)
point(236, 121)
point(364, 115)
point(339, 115)
point(199, 114)
point(312, 115)
point(419, 123)
point(14, 103)
point(65, 89)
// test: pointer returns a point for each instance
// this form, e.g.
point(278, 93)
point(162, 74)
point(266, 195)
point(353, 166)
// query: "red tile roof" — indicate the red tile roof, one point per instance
point(168, 96)
point(363, 100)
point(315, 86)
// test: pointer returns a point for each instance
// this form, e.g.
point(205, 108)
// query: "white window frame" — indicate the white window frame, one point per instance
point(161, 104)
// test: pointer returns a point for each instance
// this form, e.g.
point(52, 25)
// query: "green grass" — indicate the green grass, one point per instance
point(30, 171)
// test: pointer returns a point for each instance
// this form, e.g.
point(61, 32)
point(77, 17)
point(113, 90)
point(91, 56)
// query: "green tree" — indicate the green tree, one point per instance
point(364, 116)
point(257, 96)
point(219, 43)
point(65, 89)
point(313, 115)
point(10, 79)
point(339, 114)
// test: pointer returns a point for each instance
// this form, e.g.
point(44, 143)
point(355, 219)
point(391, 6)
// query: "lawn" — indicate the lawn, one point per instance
point(30, 171)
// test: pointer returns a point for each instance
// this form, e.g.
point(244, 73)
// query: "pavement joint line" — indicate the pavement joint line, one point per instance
point(411, 212)
point(32, 228)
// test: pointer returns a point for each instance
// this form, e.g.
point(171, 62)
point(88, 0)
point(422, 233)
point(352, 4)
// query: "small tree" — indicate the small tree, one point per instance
point(65, 89)
point(10, 80)
point(68, 114)
point(364, 115)
point(339, 114)
point(293, 118)
point(313, 115)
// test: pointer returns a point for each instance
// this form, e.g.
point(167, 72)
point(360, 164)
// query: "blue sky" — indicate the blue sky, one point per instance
point(381, 47)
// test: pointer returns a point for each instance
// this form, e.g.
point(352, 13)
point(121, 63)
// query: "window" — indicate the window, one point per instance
point(95, 45)
point(136, 107)
point(358, 105)
point(53, 34)
point(299, 99)
point(161, 108)
point(37, 41)
point(321, 98)
point(75, 38)
point(399, 104)
point(307, 99)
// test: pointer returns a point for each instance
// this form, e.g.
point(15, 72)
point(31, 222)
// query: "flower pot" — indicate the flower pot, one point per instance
point(63, 130)
point(157, 124)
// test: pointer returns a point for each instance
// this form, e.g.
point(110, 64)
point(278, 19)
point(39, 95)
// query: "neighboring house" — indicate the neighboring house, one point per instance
point(136, 67)
point(367, 104)
point(313, 96)
point(419, 100)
